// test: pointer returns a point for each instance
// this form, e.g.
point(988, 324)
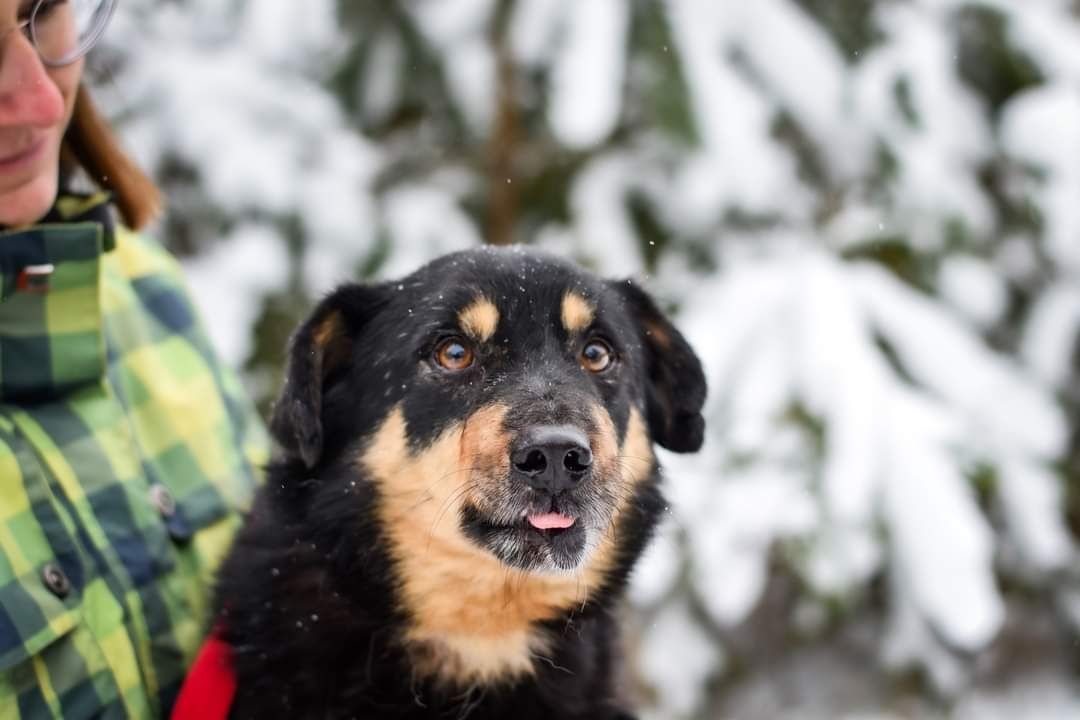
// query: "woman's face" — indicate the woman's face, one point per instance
point(36, 103)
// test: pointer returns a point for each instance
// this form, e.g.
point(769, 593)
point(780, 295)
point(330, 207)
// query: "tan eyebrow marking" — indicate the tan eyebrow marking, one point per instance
point(479, 319)
point(577, 312)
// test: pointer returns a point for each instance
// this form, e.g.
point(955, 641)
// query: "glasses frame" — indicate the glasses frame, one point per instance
point(109, 6)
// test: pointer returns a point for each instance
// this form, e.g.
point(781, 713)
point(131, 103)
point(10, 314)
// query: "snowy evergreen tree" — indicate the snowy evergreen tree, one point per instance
point(864, 213)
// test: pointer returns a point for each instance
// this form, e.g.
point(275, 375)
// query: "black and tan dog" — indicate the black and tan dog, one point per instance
point(467, 478)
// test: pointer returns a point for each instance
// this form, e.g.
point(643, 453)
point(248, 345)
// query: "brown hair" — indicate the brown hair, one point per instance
point(90, 144)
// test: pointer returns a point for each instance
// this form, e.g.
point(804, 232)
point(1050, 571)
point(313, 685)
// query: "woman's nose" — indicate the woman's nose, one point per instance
point(28, 96)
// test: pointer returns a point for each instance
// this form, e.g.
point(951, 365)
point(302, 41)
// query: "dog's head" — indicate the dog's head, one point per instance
point(501, 399)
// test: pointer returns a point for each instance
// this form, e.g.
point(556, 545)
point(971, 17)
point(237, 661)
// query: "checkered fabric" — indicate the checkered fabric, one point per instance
point(127, 453)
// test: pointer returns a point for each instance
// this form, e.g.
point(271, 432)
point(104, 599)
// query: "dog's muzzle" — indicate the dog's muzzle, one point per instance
point(551, 460)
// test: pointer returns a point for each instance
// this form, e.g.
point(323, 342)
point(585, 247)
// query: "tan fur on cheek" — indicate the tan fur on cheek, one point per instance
point(637, 451)
point(577, 312)
point(485, 446)
point(479, 319)
point(472, 618)
point(629, 464)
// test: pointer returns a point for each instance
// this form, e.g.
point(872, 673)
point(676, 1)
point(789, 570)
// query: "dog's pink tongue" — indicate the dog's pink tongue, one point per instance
point(550, 521)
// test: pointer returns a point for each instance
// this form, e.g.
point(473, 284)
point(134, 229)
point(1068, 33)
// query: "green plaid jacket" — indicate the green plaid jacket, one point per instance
point(127, 453)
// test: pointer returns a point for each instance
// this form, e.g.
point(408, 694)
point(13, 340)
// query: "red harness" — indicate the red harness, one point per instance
point(210, 686)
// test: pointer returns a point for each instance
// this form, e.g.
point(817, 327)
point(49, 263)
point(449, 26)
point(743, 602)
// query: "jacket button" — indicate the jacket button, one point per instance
point(163, 500)
point(56, 580)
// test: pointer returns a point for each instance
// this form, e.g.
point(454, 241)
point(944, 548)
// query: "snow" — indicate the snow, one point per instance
point(842, 380)
point(1040, 32)
point(974, 287)
point(657, 571)
point(534, 30)
point(382, 79)
point(796, 326)
point(678, 660)
point(740, 164)
point(268, 142)
point(587, 72)
point(228, 293)
point(941, 545)
point(1041, 127)
point(1004, 408)
point(602, 224)
point(786, 47)
point(1032, 498)
point(446, 22)
point(427, 222)
point(470, 73)
point(336, 210)
point(1051, 336)
point(947, 136)
point(457, 28)
point(1044, 697)
point(730, 538)
point(275, 28)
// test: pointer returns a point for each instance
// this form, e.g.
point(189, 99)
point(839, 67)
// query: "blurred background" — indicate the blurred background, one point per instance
point(865, 214)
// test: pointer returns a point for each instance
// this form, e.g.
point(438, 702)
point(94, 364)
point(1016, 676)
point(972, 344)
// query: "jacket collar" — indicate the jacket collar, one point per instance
point(51, 336)
point(78, 227)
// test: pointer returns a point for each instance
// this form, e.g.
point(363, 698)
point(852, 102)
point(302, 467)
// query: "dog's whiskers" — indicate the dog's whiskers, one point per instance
point(537, 656)
point(455, 495)
point(468, 704)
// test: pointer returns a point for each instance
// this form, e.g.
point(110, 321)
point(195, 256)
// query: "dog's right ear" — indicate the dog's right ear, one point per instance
point(675, 383)
point(319, 351)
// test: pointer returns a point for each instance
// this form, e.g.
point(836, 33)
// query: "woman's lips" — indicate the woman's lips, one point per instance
point(23, 157)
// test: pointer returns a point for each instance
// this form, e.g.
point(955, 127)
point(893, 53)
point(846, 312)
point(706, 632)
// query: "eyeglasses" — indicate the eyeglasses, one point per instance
point(62, 31)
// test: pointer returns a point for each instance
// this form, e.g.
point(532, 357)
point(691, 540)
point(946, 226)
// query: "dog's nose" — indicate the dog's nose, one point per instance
point(552, 458)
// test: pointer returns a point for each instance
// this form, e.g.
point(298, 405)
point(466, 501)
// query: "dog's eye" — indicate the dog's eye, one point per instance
point(454, 354)
point(596, 356)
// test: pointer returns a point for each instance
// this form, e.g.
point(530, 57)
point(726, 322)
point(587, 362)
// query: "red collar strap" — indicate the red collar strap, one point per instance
point(210, 686)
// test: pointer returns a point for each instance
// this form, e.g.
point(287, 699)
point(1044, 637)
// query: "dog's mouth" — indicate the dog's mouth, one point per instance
point(553, 521)
point(554, 539)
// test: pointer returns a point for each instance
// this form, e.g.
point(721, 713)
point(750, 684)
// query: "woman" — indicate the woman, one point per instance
point(126, 449)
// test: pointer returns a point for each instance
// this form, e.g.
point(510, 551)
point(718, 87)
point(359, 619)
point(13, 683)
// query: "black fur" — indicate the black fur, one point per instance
point(308, 597)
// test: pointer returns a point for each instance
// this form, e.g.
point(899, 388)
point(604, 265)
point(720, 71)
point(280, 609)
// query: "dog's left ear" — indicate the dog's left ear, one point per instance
point(675, 384)
point(319, 352)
